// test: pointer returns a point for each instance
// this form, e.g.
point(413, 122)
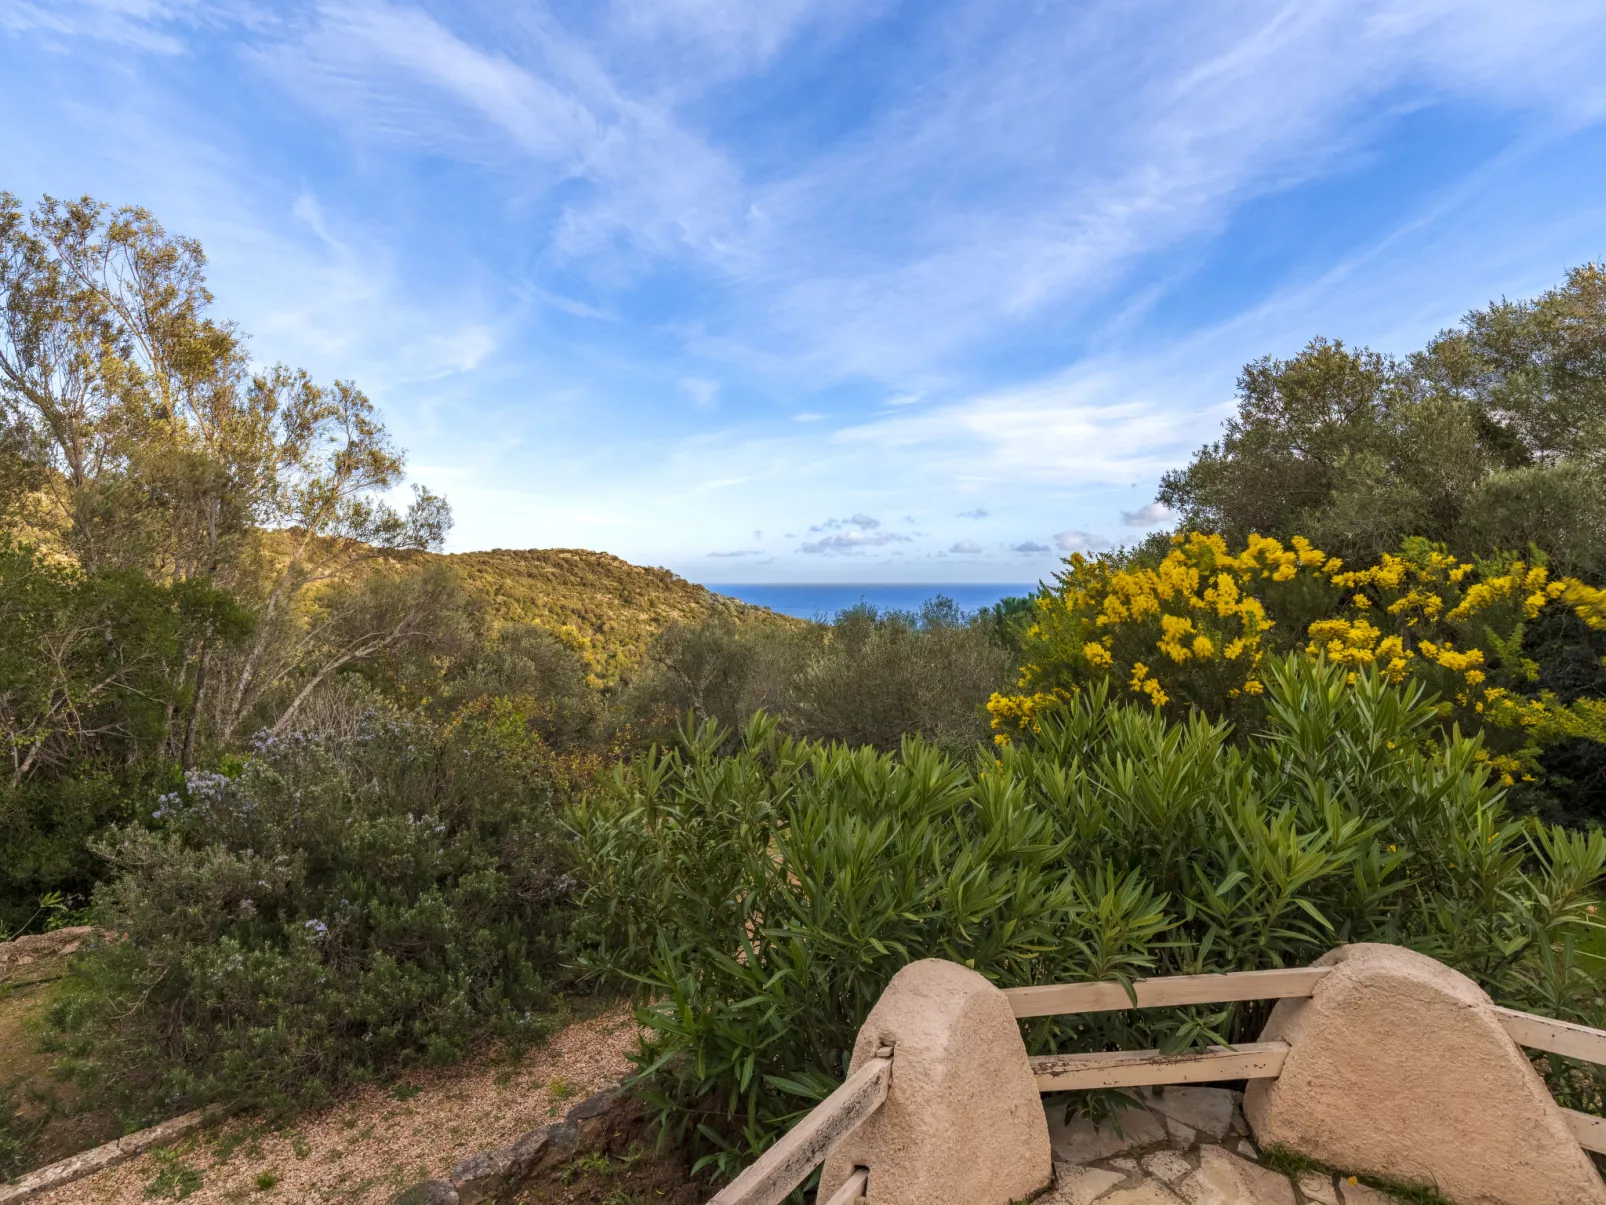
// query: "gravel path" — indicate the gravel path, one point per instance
point(375, 1143)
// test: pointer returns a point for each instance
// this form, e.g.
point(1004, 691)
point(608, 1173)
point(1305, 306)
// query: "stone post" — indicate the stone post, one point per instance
point(1397, 1067)
point(962, 1123)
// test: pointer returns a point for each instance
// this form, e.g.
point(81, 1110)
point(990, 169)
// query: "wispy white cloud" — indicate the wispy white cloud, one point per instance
point(1081, 541)
point(703, 392)
point(730, 37)
point(141, 25)
point(1065, 430)
point(860, 520)
point(852, 541)
point(524, 227)
point(1146, 516)
point(397, 72)
point(1169, 119)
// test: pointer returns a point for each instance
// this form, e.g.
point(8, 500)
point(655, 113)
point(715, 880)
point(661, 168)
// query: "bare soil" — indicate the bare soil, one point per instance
point(382, 1139)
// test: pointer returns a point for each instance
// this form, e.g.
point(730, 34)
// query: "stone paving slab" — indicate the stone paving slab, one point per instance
point(1182, 1146)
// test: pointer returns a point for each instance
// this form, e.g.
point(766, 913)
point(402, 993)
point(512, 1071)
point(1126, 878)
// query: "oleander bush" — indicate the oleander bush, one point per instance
point(328, 910)
point(1192, 631)
point(760, 900)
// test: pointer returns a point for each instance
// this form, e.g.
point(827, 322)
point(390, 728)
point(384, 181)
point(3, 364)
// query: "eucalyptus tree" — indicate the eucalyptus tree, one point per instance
point(135, 429)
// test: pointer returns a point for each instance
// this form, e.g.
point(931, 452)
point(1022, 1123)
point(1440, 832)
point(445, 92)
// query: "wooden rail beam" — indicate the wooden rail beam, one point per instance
point(787, 1164)
point(1556, 1037)
point(1588, 1129)
point(853, 1188)
point(1057, 998)
point(1132, 1068)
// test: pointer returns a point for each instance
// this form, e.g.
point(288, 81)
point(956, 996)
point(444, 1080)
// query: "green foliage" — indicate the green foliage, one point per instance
point(1011, 618)
point(17, 1134)
point(88, 685)
point(605, 609)
point(761, 900)
point(340, 908)
point(1490, 439)
point(869, 678)
point(174, 1179)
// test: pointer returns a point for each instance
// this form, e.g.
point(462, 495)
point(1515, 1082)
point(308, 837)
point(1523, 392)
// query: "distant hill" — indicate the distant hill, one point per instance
point(604, 608)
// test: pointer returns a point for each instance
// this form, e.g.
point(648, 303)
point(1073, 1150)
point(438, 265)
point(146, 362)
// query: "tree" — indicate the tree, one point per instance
point(136, 415)
point(124, 389)
point(379, 613)
point(1491, 438)
point(323, 520)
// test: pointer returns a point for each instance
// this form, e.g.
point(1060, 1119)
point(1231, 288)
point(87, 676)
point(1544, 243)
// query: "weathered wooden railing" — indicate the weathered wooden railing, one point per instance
point(1133, 1068)
point(1249, 1060)
point(1575, 1042)
point(788, 1163)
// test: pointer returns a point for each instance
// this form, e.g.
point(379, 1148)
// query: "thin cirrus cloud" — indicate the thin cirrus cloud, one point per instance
point(628, 236)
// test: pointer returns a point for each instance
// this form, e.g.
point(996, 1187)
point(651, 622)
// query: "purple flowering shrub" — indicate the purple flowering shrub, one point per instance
point(335, 910)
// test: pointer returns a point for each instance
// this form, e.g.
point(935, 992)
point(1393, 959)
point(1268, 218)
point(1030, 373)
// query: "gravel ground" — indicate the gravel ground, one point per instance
point(379, 1140)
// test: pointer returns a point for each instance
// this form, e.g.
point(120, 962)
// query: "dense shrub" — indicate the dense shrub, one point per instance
point(330, 910)
point(871, 677)
point(762, 900)
point(1192, 632)
point(88, 687)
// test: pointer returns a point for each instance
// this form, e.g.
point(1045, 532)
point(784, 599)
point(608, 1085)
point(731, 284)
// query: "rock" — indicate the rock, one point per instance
point(1360, 1194)
point(1248, 1150)
point(1398, 1067)
point(1318, 1188)
point(1181, 1136)
point(591, 1114)
point(1080, 1141)
point(1225, 1179)
point(592, 1106)
point(962, 1123)
point(1239, 1124)
point(482, 1175)
point(1130, 1166)
point(1166, 1165)
point(430, 1192)
point(524, 1152)
point(562, 1140)
point(1208, 1110)
point(1075, 1185)
point(1147, 1193)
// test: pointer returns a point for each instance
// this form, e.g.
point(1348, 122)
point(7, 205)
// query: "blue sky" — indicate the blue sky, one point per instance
point(822, 290)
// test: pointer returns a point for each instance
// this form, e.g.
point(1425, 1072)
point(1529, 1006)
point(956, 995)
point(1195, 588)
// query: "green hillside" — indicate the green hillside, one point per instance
point(603, 607)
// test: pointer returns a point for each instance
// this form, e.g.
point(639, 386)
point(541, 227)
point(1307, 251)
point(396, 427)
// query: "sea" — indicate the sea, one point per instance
point(815, 601)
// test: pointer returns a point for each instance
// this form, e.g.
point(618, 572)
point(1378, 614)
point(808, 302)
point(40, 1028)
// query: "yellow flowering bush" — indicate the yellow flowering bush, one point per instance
point(1194, 630)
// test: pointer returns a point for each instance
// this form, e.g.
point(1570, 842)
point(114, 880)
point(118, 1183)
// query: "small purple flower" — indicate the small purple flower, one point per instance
point(318, 928)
